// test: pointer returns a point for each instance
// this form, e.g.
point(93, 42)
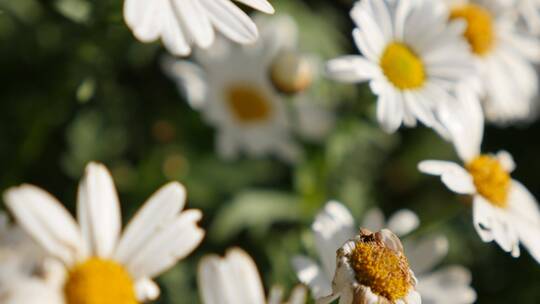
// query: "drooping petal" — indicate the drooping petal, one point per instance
point(47, 221)
point(98, 211)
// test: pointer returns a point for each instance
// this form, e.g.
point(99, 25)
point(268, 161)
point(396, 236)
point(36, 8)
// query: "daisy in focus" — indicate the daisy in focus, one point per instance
point(504, 58)
point(334, 225)
point(504, 211)
point(243, 91)
point(26, 274)
point(99, 266)
point(411, 58)
point(234, 279)
point(181, 24)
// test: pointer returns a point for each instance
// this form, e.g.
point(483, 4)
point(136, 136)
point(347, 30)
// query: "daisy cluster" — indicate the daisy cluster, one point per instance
point(449, 65)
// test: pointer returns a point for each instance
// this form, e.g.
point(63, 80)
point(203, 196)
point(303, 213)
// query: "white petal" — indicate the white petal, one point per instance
point(146, 290)
point(452, 175)
point(426, 253)
point(482, 218)
point(98, 211)
point(298, 295)
point(332, 227)
point(261, 5)
point(312, 275)
point(506, 160)
point(403, 222)
point(390, 110)
point(172, 32)
point(170, 244)
point(231, 20)
point(449, 285)
point(233, 279)
point(374, 220)
point(195, 20)
point(159, 211)
point(46, 219)
point(144, 18)
point(352, 68)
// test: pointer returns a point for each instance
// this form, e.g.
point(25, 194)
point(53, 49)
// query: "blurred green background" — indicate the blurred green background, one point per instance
point(76, 86)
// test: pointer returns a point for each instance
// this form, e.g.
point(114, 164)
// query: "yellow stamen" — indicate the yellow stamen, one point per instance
point(402, 66)
point(98, 281)
point(384, 270)
point(479, 32)
point(490, 179)
point(248, 103)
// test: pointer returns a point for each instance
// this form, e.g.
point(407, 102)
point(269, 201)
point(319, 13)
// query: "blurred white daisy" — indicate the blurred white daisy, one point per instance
point(26, 275)
point(410, 56)
point(504, 211)
point(183, 23)
point(334, 225)
point(241, 90)
point(100, 267)
point(235, 279)
point(504, 58)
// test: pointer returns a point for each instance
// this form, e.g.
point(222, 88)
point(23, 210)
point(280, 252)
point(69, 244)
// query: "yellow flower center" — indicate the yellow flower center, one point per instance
point(490, 179)
point(384, 270)
point(402, 66)
point(479, 32)
point(98, 281)
point(248, 104)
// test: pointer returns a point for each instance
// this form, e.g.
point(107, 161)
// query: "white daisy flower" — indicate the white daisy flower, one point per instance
point(372, 268)
point(335, 224)
point(235, 279)
point(100, 265)
point(410, 56)
point(504, 59)
point(234, 92)
point(26, 275)
point(504, 211)
point(183, 23)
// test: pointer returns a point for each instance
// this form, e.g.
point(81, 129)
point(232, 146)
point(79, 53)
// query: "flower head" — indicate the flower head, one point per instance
point(100, 265)
point(411, 58)
point(181, 24)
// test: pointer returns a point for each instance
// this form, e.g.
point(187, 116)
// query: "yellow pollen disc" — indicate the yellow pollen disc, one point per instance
point(385, 271)
point(402, 66)
point(248, 103)
point(490, 179)
point(98, 281)
point(479, 32)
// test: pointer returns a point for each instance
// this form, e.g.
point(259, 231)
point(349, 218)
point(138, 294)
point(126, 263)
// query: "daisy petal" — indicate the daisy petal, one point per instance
point(46, 219)
point(403, 222)
point(167, 246)
point(452, 175)
point(426, 253)
point(261, 5)
point(506, 160)
point(390, 110)
point(312, 275)
point(160, 210)
point(195, 20)
point(482, 218)
point(351, 68)
point(146, 289)
point(98, 211)
point(231, 20)
point(234, 279)
point(449, 285)
point(332, 227)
